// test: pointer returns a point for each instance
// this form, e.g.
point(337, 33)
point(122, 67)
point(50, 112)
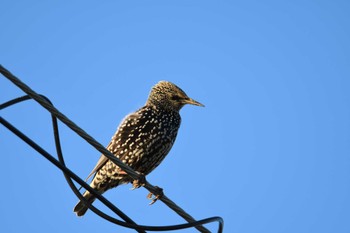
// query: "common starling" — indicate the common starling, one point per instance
point(142, 140)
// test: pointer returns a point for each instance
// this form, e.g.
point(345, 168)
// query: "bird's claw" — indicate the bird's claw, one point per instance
point(141, 181)
point(157, 195)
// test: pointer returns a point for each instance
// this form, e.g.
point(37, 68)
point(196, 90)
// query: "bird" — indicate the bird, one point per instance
point(142, 140)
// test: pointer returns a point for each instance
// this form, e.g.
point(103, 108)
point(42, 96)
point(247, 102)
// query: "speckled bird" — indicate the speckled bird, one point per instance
point(142, 140)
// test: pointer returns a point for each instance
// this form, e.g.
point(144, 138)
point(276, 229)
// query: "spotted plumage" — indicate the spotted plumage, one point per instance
point(142, 140)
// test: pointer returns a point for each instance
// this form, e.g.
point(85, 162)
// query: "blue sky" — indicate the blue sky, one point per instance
point(268, 153)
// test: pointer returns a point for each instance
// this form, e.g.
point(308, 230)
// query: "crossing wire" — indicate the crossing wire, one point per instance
point(69, 175)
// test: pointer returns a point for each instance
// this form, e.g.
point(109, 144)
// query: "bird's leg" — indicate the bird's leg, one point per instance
point(141, 181)
point(157, 194)
point(121, 172)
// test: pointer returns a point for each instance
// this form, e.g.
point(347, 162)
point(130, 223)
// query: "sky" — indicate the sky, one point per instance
point(268, 153)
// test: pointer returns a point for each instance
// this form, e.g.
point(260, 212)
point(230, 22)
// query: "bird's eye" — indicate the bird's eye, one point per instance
point(175, 97)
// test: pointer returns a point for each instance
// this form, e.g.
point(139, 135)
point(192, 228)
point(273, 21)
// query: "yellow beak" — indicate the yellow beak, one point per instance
point(193, 102)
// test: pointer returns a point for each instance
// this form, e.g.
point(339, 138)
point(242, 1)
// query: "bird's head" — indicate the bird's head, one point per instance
point(167, 95)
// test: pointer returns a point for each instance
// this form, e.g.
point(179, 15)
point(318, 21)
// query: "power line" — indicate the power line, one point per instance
point(70, 176)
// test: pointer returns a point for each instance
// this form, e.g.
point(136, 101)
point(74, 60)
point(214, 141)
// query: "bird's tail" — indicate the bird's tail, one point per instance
point(80, 209)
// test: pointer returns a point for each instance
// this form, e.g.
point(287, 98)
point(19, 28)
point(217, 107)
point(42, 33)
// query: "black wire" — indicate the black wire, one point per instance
point(69, 175)
point(14, 101)
point(135, 176)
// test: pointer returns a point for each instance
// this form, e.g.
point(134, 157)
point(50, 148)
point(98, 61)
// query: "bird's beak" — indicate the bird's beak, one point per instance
point(193, 102)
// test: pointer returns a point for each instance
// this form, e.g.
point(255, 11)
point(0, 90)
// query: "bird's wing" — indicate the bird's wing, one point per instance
point(103, 159)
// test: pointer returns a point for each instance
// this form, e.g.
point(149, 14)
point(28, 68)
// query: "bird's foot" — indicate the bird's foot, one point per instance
point(141, 181)
point(156, 195)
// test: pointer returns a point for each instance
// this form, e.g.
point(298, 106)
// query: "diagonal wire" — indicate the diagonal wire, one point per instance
point(139, 228)
point(68, 173)
point(55, 113)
